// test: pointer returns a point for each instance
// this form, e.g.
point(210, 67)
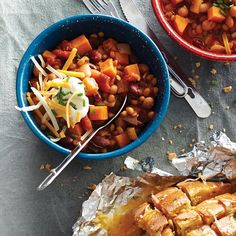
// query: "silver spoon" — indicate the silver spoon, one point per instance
point(86, 138)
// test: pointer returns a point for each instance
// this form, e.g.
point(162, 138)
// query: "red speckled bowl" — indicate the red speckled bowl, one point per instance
point(157, 7)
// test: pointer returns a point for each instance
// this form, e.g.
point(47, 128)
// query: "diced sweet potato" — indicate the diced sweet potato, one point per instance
point(124, 48)
point(209, 210)
point(214, 14)
point(110, 45)
point(198, 191)
point(171, 201)
point(47, 54)
point(107, 67)
point(225, 226)
point(217, 48)
point(82, 44)
point(195, 6)
point(150, 220)
point(122, 139)
point(91, 86)
point(123, 59)
point(132, 133)
point(205, 230)
point(76, 130)
point(180, 23)
point(98, 113)
point(132, 72)
point(187, 221)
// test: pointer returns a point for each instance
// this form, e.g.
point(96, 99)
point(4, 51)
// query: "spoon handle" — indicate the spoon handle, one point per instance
point(87, 137)
point(57, 170)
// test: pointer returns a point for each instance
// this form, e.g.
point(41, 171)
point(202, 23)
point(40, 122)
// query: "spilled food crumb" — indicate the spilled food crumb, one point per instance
point(213, 71)
point(87, 168)
point(45, 166)
point(227, 89)
point(211, 127)
point(92, 186)
point(171, 155)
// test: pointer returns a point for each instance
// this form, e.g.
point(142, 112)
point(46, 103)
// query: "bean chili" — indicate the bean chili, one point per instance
point(108, 70)
point(206, 24)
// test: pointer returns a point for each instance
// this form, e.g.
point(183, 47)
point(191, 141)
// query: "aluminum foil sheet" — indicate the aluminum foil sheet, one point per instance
point(216, 160)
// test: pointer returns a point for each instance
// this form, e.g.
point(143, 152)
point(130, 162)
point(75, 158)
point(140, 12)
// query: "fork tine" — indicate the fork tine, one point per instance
point(97, 4)
point(90, 6)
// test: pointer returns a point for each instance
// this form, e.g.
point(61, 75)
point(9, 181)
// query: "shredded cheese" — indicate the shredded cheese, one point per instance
point(46, 107)
point(70, 59)
point(67, 108)
point(78, 117)
point(41, 81)
point(56, 72)
point(29, 108)
point(72, 73)
point(43, 64)
point(62, 84)
point(226, 43)
point(40, 115)
point(38, 66)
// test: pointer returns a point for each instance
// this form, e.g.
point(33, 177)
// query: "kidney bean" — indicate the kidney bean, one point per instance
point(135, 89)
point(66, 45)
point(198, 43)
point(100, 141)
point(95, 56)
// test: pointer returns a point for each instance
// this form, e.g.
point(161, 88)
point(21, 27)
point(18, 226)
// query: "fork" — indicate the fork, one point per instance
point(105, 7)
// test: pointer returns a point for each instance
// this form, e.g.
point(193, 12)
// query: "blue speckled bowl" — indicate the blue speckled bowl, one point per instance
point(120, 30)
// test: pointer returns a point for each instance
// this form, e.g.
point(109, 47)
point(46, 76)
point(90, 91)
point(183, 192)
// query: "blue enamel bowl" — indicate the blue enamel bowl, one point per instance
point(73, 26)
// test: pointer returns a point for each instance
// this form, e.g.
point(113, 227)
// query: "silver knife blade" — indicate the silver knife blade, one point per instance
point(196, 101)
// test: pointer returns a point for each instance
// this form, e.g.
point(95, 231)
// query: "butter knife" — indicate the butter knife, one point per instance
point(179, 88)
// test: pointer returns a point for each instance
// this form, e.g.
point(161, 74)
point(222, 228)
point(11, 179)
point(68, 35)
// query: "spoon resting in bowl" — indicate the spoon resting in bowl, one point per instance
point(86, 138)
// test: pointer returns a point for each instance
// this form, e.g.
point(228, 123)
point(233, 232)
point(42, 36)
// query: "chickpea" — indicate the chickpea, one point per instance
point(146, 92)
point(199, 29)
point(155, 90)
point(100, 34)
point(204, 7)
point(208, 25)
point(111, 98)
point(151, 114)
point(119, 130)
point(124, 113)
point(169, 7)
point(154, 81)
point(149, 77)
point(169, 14)
point(229, 21)
point(148, 102)
point(129, 110)
point(134, 114)
point(113, 89)
point(183, 11)
point(232, 11)
point(143, 68)
point(141, 99)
